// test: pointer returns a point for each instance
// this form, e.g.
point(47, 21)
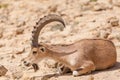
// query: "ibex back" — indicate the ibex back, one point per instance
point(81, 57)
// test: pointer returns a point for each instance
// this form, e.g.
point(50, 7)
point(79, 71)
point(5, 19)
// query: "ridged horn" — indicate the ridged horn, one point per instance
point(41, 23)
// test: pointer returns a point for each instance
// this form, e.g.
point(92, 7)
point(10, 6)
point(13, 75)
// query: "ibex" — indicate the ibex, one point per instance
point(80, 57)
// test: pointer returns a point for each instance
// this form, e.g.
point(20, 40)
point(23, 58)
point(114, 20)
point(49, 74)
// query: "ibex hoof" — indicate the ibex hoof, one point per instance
point(75, 73)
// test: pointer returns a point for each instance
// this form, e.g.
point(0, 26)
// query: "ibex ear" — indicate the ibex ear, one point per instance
point(42, 49)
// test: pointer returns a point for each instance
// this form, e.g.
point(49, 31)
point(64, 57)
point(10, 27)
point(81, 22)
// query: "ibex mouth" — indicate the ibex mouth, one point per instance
point(35, 67)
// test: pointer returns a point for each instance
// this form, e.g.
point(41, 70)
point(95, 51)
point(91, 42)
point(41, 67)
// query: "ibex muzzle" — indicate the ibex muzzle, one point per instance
point(81, 57)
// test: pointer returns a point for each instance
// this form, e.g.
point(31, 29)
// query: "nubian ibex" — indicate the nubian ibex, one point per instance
point(80, 57)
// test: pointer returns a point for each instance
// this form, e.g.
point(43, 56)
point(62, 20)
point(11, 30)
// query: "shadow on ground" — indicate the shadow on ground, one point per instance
point(115, 67)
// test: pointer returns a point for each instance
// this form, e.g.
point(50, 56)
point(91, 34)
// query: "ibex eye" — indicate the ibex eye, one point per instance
point(34, 52)
point(42, 49)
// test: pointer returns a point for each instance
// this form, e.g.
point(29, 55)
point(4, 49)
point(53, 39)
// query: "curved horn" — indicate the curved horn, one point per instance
point(41, 23)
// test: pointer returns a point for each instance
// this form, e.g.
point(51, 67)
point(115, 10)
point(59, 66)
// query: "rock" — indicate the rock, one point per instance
point(114, 21)
point(117, 45)
point(93, 0)
point(27, 76)
point(19, 31)
point(1, 45)
point(17, 74)
point(3, 70)
point(19, 50)
point(104, 34)
point(101, 6)
point(12, 56)
point(53, 8)
point(57, 27)
point(50, 63)
point(3, 5)
point(116, 2)
point(1, 32)
point(91, 78)
point(21, 23)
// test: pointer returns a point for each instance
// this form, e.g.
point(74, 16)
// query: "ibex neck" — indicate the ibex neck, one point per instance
point(60, 56)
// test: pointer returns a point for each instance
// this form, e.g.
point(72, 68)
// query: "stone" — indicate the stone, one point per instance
point(116, 2)
point(19, 31)
point(91, 78)
point(3, 70)
point(17, 74)
point(1, 32)
point(19, 50)
point(114, 21)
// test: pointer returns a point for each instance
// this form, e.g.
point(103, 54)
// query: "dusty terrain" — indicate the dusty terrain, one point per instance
point(83, 18)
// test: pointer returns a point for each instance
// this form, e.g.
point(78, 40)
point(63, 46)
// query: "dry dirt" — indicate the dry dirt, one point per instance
point(83, 18)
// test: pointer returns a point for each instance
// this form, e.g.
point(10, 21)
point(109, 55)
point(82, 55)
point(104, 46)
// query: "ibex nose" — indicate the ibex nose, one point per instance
point(26, 63)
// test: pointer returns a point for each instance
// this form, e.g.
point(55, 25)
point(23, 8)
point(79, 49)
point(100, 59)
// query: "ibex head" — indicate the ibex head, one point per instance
point(38, 50)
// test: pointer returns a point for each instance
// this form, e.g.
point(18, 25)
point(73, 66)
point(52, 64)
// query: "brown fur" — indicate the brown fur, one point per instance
point(88, 54)
point(81, 57)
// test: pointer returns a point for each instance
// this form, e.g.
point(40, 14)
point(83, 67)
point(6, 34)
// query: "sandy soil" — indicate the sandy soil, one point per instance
point(83, 18)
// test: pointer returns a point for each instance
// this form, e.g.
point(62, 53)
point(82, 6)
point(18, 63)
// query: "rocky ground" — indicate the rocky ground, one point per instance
point(83, 18)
